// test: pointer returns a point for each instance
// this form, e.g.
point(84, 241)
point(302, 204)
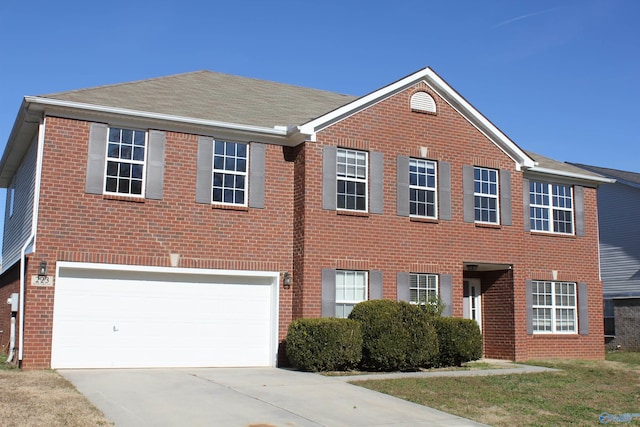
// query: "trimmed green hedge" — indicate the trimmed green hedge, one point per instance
point(460, 341)
point(326, 344)
point(396, 336)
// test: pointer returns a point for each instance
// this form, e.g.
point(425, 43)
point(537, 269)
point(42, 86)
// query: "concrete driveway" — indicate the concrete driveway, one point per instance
point(247, 397)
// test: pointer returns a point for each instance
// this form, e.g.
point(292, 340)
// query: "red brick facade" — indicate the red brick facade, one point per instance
point(293, 233)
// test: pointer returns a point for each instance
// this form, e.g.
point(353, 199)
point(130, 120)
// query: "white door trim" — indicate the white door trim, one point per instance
point(473, 308)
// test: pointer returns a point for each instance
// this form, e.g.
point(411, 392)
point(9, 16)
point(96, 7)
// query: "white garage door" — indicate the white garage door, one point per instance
point(105, 318)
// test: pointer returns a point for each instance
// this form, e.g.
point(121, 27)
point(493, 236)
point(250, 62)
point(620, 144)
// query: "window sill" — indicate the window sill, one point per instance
point(546, 234)
point(123, 198)
point(425, 220)
point(552, 336)
point(230, 207)
point(352, 213)
point(487, 225)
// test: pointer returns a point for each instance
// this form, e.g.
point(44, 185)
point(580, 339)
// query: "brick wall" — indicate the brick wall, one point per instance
point(394, 244)
point(75, 226)
point(499, 326)
point(627, 321)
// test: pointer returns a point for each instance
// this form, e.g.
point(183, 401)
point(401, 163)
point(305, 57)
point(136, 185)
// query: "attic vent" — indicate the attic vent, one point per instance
point(423, 102)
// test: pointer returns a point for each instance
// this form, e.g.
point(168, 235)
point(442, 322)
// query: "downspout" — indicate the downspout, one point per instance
point(32, 237)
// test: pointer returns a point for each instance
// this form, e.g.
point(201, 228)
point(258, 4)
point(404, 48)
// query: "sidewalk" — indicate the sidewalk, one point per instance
point(504, 367)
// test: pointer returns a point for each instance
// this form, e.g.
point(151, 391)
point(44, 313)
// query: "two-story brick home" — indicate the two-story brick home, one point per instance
point(187, 220)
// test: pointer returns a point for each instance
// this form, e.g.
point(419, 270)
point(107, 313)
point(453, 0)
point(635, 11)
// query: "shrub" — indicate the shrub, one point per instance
point(325, 344)
point(396, 336)
point(460, 340)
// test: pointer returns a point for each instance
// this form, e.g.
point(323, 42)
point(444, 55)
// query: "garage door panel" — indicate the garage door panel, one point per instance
point(112, 321)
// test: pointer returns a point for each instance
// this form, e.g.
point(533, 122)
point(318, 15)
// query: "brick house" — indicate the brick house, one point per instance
point(187, 220)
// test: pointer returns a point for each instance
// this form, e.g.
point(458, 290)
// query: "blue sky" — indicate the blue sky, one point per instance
point(561, 78)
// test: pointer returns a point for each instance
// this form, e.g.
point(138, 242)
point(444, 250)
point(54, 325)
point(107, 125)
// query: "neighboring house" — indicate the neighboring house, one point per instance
point(618, 207)
point(187, 220)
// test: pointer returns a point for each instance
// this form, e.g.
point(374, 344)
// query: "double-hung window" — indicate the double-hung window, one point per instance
point(422, 188)
point(230, 165)
point(554, 307)
point(125, 166)
point(485, 189)
point(351, 171)
point(351, 288)
point(551, 207)
point(423, 288)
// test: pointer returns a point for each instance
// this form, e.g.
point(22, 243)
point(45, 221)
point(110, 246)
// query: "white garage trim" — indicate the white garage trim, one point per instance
point(160, 310)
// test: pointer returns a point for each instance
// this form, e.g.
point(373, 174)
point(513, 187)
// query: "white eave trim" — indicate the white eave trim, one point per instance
point(573, 175)
point(456, 101)
point(278, 131)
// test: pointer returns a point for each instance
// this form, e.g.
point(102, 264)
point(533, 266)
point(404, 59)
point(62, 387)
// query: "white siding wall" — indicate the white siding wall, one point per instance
point(618, 210)
point(17, 228)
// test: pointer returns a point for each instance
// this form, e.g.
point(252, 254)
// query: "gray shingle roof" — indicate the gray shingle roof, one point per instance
point(214, 96)
point(548, 163)
point(621, 176)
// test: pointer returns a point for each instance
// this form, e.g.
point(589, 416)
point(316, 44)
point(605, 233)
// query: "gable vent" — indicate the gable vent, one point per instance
point(423, 102)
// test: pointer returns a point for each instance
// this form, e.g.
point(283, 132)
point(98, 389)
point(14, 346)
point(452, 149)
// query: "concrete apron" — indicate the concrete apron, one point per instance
point(246, 397)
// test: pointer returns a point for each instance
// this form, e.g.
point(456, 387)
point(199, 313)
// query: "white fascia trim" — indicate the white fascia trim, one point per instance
point(313, 126)
point(440, 86)
point(523, 161)
point(283, 131)
point(574, 175)
point(151, 269)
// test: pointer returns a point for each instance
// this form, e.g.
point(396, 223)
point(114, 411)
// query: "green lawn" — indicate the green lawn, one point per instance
point(577, 395)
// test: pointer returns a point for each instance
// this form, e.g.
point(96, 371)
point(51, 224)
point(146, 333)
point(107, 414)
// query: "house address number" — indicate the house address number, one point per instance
point(41, 280)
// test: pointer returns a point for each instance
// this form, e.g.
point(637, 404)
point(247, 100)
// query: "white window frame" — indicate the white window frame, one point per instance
point(537, 201)
point(131, 162)
point(419, 294)
point(351, 172)
point(482, 194)
point(228, 172)
point(427, 165)
point(551, 303)
point(344, 301)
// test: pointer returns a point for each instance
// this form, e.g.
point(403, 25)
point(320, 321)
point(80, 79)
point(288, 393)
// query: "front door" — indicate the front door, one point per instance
point(472, 301)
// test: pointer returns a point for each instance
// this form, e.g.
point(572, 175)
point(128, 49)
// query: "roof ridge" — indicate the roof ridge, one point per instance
point(604, 168)
point(171, 76)
point(123, 83)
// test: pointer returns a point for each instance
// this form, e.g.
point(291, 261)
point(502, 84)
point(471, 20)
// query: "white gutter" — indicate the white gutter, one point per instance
point(571, 175)
point(274, 131)
point(32, 237)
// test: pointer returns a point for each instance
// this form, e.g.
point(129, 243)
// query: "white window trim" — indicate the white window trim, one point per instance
point(224, 171)
point(11, 194)
point(411, 287)
point(491, 196)
point(554, 306)
point(550, 208)
point(366, 287)
point(425, 188)
point(364, 180)
point(131, 162)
